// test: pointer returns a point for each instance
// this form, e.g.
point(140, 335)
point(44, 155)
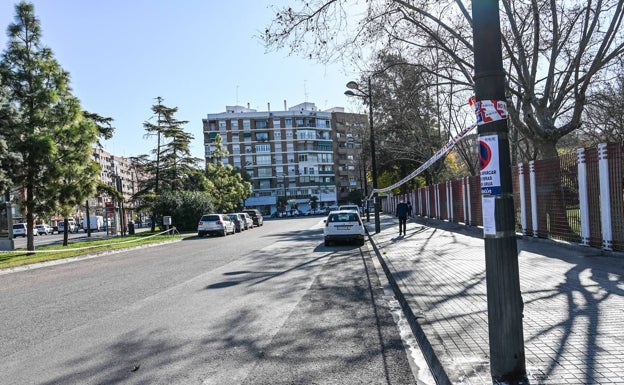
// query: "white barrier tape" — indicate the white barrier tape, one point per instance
point(447, 147)
point(173, 229)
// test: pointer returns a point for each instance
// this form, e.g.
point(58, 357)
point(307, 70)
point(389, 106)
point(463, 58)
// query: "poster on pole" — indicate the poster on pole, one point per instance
point(490, 165)
point(489, 215)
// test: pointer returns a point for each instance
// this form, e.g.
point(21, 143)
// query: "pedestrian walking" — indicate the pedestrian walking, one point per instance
point(401, 213)
point(409, 209)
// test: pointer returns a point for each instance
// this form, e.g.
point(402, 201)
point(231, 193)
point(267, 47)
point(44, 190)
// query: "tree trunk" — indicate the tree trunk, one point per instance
point(30, 222)
point(65, 233)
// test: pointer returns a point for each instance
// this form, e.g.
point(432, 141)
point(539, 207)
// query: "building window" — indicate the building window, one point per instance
point(234, 124)
point(306, 134)
point(276, 123)
point(265, 172)
point(261, 124)
point(262, 136)
point(277, 135)
point(323, 123)
point(263, 159)
point(288, 122)
point(222, 125)
point(303, 157)
point(325, 158)
point(246, 125)
point(263, 148)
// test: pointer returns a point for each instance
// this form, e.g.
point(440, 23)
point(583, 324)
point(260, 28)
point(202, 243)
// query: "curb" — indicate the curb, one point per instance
point(436, 368)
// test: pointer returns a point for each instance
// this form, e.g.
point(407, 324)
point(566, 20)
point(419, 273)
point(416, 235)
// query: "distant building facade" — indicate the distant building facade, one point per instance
point(116, 171)
point(350, 166)
point(290, 154)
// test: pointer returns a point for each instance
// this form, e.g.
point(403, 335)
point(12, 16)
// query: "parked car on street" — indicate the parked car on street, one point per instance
point(248, 221)
point(218, 224)
point(19, 230)
point(71, 228)
point(43, 229)
point(344, 226)
point(239, 223)
point(256, 216)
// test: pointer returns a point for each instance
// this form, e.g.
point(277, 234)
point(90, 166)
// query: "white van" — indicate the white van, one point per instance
point(95, 221)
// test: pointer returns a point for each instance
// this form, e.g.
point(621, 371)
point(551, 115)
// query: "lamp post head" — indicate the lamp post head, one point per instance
point(349, 93)
point(353, 85)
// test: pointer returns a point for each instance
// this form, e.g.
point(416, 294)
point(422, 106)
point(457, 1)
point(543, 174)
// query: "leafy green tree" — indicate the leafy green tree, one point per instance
point(51, 134)
point(184, 207)
point(229, 188)
point(103, 124)
point(78, 170)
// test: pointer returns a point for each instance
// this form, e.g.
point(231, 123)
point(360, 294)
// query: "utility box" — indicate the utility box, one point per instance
point(167, 220)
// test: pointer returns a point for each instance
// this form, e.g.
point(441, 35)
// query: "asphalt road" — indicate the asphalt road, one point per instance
point(270, 305)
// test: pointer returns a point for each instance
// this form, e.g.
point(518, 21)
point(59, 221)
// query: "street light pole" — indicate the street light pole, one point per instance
point(373, 157)
point(376, 203)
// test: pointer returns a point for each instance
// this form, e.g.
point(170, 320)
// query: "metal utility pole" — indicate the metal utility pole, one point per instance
point(373, 158)
point(507, 360)
point(369, 95)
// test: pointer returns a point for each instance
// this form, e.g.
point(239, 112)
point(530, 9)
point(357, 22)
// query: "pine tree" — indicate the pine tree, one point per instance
point(173, 167)
point(51, 134)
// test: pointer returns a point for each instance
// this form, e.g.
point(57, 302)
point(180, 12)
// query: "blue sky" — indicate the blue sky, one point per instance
point(198, 55)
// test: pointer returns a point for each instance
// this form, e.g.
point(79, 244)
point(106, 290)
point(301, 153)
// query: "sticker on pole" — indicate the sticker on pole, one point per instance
point(490, 172)
point(488, 111)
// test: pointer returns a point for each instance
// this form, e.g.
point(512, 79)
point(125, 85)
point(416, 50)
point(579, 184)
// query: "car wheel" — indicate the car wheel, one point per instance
point(361, 242)
point(201, 235)
point(225, 232)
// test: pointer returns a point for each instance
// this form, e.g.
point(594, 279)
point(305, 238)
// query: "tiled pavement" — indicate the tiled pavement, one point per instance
point(573, 303)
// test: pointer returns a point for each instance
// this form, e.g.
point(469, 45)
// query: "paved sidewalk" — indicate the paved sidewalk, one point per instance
point(573, 303)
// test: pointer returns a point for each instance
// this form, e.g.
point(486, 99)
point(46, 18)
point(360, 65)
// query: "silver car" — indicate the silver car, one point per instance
point(218, 224)
point(248, 221)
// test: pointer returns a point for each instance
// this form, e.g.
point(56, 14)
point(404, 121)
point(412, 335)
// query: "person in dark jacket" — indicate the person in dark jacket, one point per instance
point(401, 213)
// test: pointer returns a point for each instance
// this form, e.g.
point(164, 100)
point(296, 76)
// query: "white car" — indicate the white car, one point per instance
point(19, 230)
point(344, 226)
point(43, 229)
point(219, 224)
point(350, 207)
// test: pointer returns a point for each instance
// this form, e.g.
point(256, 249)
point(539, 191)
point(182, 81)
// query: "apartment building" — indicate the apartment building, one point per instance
point(289, 154)
point(120, 173)
point(349, 134)
point(116, 171)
